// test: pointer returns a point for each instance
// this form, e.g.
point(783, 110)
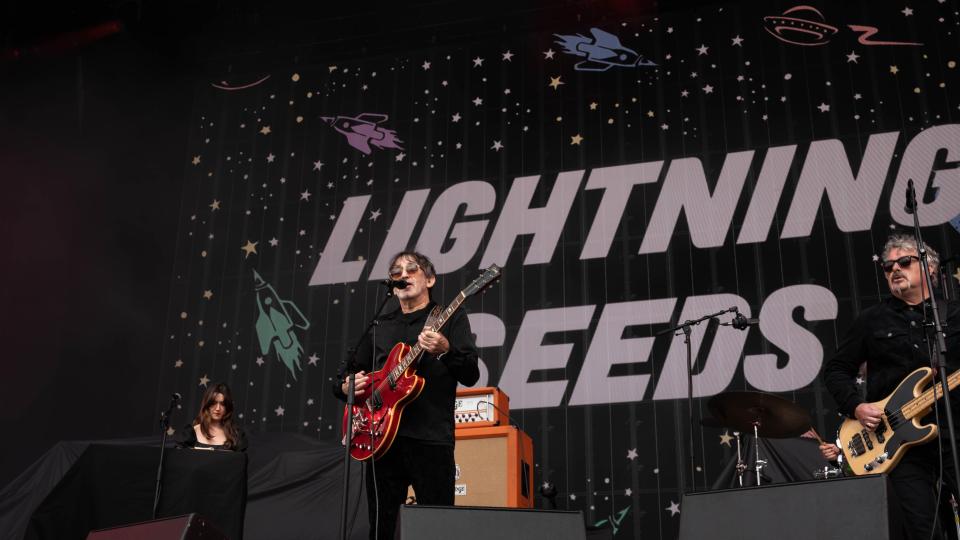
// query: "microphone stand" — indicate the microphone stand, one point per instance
point(686, 328)
point(939, 361)
point(351, 391)
point(164, 426)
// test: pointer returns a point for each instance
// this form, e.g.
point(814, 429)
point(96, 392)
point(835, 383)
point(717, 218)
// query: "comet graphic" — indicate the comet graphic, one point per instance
point(362, 131)
point(603, 51)
point(275, 323)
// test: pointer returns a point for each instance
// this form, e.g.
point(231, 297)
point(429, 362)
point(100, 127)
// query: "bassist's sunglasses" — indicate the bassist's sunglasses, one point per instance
point(904, 262)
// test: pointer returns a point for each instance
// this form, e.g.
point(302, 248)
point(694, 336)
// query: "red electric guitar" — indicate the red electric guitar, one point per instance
point(378, 407)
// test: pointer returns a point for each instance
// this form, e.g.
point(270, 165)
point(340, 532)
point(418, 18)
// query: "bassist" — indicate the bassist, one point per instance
point(422, 453)
point(890, 337)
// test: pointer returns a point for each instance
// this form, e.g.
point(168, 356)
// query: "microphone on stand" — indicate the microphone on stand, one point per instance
point(911, 204)
point(739, 321)
point(395, 283)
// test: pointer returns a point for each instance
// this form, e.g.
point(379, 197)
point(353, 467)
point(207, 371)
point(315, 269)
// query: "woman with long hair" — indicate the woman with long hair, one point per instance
point(214, 427)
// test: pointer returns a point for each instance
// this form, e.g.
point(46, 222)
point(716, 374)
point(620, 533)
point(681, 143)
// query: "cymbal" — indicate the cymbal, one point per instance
point(775, 417)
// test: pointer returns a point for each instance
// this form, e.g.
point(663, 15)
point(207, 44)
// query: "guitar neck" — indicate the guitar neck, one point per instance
point(438, 323)
point(925, 400)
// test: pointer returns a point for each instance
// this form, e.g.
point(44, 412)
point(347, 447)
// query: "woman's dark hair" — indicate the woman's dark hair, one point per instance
point(204, 419)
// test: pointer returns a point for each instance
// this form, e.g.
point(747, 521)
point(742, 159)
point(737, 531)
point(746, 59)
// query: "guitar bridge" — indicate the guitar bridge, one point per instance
point(856, 445)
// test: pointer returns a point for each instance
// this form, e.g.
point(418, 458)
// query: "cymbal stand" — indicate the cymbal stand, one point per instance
point(757, 462)
point(741, 466)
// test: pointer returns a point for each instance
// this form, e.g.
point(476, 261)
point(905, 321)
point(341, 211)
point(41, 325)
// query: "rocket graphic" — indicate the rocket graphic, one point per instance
point(362, 130)
point(603, 52)
point(275, 323)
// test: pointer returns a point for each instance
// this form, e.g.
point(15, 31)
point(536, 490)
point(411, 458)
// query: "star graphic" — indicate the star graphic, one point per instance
point(555, 82)
point(726, 438)
point(313, 359)
point(823, 107)
point(857, 96)
point(664, 127)
point(548, 54)
point(508, 56)
point(684, 93)
point(426, 65)
point(265, 130)
point(204, 380)
point(907, 11)
point(259, 360)
point(859, 380)
point(305, 196)
point(207, 294)
point(273, 242)
point(317, 165)
point(375, 214)
point(576, 139)
point(477, 62)
point(737, 41)
point(215, 205)
point(649, 114)
point(310, 401)
point(894, 70)
point(702, 50)
point(178, 363)
point(632, 454)
point(628, 492)
point(477, 101)
point(270, 157)
point(852, 57)
point(593, 106)
point(496, 146)
point(708, 89)
point(400, 156)
point(279, 410)
point(249, 248)
point(195, 160)
point(674, 508)
point(455, 118)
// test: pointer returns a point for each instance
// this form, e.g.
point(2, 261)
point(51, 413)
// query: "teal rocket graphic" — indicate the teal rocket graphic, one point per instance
point(614, 521)
point(275, 323)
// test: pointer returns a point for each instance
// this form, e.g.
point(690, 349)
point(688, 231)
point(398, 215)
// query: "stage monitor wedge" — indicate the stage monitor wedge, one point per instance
point(479, 523)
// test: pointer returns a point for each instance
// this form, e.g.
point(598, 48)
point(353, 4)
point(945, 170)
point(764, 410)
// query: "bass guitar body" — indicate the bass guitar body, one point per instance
point(879, 451)
point(377, 409)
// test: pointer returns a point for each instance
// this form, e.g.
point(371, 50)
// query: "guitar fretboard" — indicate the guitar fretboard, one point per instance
point(924, 401)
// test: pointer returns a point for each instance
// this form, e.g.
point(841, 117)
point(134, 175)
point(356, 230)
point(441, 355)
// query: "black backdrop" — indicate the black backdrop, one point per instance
point(757, 137)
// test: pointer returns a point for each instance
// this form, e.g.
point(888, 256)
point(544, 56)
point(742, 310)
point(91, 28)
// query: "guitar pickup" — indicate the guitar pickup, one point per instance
point(866, 437)
point(856, 445)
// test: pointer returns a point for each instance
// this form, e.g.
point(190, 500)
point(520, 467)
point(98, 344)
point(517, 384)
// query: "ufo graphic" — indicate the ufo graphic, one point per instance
point(800, 25)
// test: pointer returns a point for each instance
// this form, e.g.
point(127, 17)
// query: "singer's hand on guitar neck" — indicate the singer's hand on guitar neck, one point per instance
point(433, 342)
point(362, 381)
point(868, 415)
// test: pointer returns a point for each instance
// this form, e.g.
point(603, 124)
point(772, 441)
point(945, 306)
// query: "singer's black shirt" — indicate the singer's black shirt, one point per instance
point(429, 417)
point(890, 338)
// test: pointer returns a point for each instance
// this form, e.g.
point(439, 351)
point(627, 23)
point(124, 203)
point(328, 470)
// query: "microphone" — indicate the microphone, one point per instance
point(175, 397)
point(742, 323)
point(395, 283)
point(911, 204)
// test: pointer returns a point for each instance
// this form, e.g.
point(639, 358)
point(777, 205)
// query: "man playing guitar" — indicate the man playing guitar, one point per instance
point(891, 338)
point(421, 455)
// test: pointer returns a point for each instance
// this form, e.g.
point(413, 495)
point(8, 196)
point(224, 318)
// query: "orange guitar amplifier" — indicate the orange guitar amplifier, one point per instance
point(494, 467)
point(481, 407)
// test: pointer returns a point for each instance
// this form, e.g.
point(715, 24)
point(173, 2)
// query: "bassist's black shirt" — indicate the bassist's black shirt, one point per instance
point(889, 337)
point(429, 417)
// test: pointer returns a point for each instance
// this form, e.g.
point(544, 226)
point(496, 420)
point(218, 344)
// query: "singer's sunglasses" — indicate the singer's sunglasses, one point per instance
point(904, 262)
point(397, 271)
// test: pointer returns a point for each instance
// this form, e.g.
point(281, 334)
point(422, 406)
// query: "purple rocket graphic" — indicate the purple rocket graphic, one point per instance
point(362, 131)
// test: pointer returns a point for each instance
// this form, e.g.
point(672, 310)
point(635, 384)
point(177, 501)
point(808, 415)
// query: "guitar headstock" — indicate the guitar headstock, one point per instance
point(483, 281)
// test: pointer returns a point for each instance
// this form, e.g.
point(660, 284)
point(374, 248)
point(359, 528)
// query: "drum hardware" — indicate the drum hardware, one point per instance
point(767, 415)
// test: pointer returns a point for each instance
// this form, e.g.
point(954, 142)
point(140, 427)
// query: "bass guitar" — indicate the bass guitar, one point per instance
point(879, 451)
point(379, 406)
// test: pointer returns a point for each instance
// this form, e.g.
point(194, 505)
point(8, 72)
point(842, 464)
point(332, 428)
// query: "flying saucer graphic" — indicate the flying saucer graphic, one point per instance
point(800, 25)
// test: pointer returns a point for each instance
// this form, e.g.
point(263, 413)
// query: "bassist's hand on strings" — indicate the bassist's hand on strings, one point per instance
point(868, 415)
point(433, 342)
point(362, 381)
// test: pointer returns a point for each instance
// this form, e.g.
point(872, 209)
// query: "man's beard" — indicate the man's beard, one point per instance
point(901, 287)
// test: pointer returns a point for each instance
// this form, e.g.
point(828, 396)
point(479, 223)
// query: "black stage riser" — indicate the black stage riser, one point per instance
point(481, 523)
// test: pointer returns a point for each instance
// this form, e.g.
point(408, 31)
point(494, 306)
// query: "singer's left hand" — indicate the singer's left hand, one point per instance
point(433, 342)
